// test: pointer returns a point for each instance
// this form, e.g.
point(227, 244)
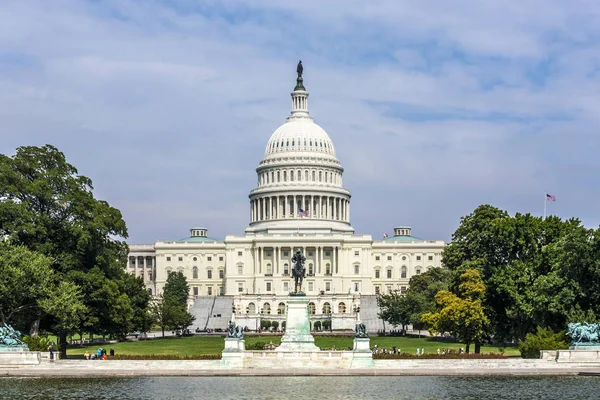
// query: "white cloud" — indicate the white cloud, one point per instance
point(434, 106)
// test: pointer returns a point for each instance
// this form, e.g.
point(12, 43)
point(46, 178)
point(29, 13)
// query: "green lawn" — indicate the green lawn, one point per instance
point(196, 345)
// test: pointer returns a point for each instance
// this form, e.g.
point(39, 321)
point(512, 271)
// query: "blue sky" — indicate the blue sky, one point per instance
point(435, 107)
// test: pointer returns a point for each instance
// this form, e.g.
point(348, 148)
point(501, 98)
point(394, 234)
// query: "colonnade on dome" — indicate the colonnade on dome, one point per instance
point(295, 206)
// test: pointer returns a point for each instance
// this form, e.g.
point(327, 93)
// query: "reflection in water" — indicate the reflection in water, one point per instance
point(240, 388)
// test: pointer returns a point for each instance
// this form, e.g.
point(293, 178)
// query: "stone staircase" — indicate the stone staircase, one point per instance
point(368, 314)
point(212, 312)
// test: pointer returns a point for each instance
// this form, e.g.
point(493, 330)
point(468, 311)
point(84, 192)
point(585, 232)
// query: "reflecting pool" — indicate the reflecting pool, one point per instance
point(310, 387)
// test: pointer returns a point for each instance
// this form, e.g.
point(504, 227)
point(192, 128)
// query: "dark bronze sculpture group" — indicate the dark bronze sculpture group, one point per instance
point(298, 272)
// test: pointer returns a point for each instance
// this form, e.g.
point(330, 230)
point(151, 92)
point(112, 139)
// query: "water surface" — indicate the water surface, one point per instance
point(322, 388)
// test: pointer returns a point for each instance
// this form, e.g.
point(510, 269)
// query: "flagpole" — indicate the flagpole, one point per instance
point(545, 203)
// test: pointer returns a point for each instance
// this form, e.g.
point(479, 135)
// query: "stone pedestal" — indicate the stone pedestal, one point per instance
point(18, 357)
point(297, 337)
point(362, 357)
point(234, 345)
point(233, 353)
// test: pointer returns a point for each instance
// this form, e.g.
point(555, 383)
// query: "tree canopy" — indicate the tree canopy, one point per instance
point(48, 208)
point(537, 273)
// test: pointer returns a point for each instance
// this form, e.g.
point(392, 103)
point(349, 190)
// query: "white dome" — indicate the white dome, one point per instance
point(300, 135)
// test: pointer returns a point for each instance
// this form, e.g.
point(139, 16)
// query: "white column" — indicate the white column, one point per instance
point(334, 261)
point(261, 259)
point(254, 252)
point(348, 206)
point(335, 208)
point(295, 208)
point(321, 258)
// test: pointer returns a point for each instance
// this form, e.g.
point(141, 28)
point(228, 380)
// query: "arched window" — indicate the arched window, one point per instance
point(356, 269)
point(311, 308)
point(266, 308)
point(403, 272)
point(251, 309)
point(327, 269)
point(389, 273)
point(285, 176)
point(342, 308)
point(291, 175)
point(313, 176)
point(240, 269)
point(269, 269)
point(320, 176)
point(195, 273)
point(418, 272)
point(281, 309)
point(286, 269)
point(326, 308)
point(299, 175)
point(311, 269)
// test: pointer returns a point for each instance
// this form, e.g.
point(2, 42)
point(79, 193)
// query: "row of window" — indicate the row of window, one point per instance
point(208, 258)
point(266, 308)
point(209, 290)
point(390, 289)
point(389, 258)
point(265, 178)
point(209, 272)
point(403, 272)
point(286, 287)
point(307, 143)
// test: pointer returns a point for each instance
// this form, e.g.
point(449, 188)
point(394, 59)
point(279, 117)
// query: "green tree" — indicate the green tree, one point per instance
point(543, 339)
point(139, 300)
point(65, 307)
point(395, 309)
point(176, 289)
point(26, 278)
point(461, 315)
point(48, 207)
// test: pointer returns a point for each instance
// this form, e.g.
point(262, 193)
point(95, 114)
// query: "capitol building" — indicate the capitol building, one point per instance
point(299, 202)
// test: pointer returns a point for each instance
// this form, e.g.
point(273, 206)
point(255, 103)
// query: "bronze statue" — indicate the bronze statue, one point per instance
point(10, 337)
point(360, 331)
point(298, 270)
point(234, 331)
point(300, 69)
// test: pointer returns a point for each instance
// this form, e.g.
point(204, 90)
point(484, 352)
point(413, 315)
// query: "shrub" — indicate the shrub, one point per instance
point(317, 325)
point(164, 357)
point(543, 339)
point(326, 324)
point(275, 325)
point(256, 346)
point(451, 356)
point(283, 326)
point(265, 324)
point(37, 343)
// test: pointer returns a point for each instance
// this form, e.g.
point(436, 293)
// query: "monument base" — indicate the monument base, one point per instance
point(297, 336)
point(572, 356)
point(233, 353)
point(363, 357)
point(19, 357)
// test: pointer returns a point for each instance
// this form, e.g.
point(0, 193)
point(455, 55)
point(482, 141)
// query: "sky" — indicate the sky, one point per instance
point(434, 107)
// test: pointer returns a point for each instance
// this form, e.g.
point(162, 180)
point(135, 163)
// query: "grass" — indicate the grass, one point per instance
point(197, 345)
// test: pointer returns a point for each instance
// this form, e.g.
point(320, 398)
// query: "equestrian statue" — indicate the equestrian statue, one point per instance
point(298, 271)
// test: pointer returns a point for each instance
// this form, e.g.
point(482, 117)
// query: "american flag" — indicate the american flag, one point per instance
point(549, 197)
point(302, 213)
